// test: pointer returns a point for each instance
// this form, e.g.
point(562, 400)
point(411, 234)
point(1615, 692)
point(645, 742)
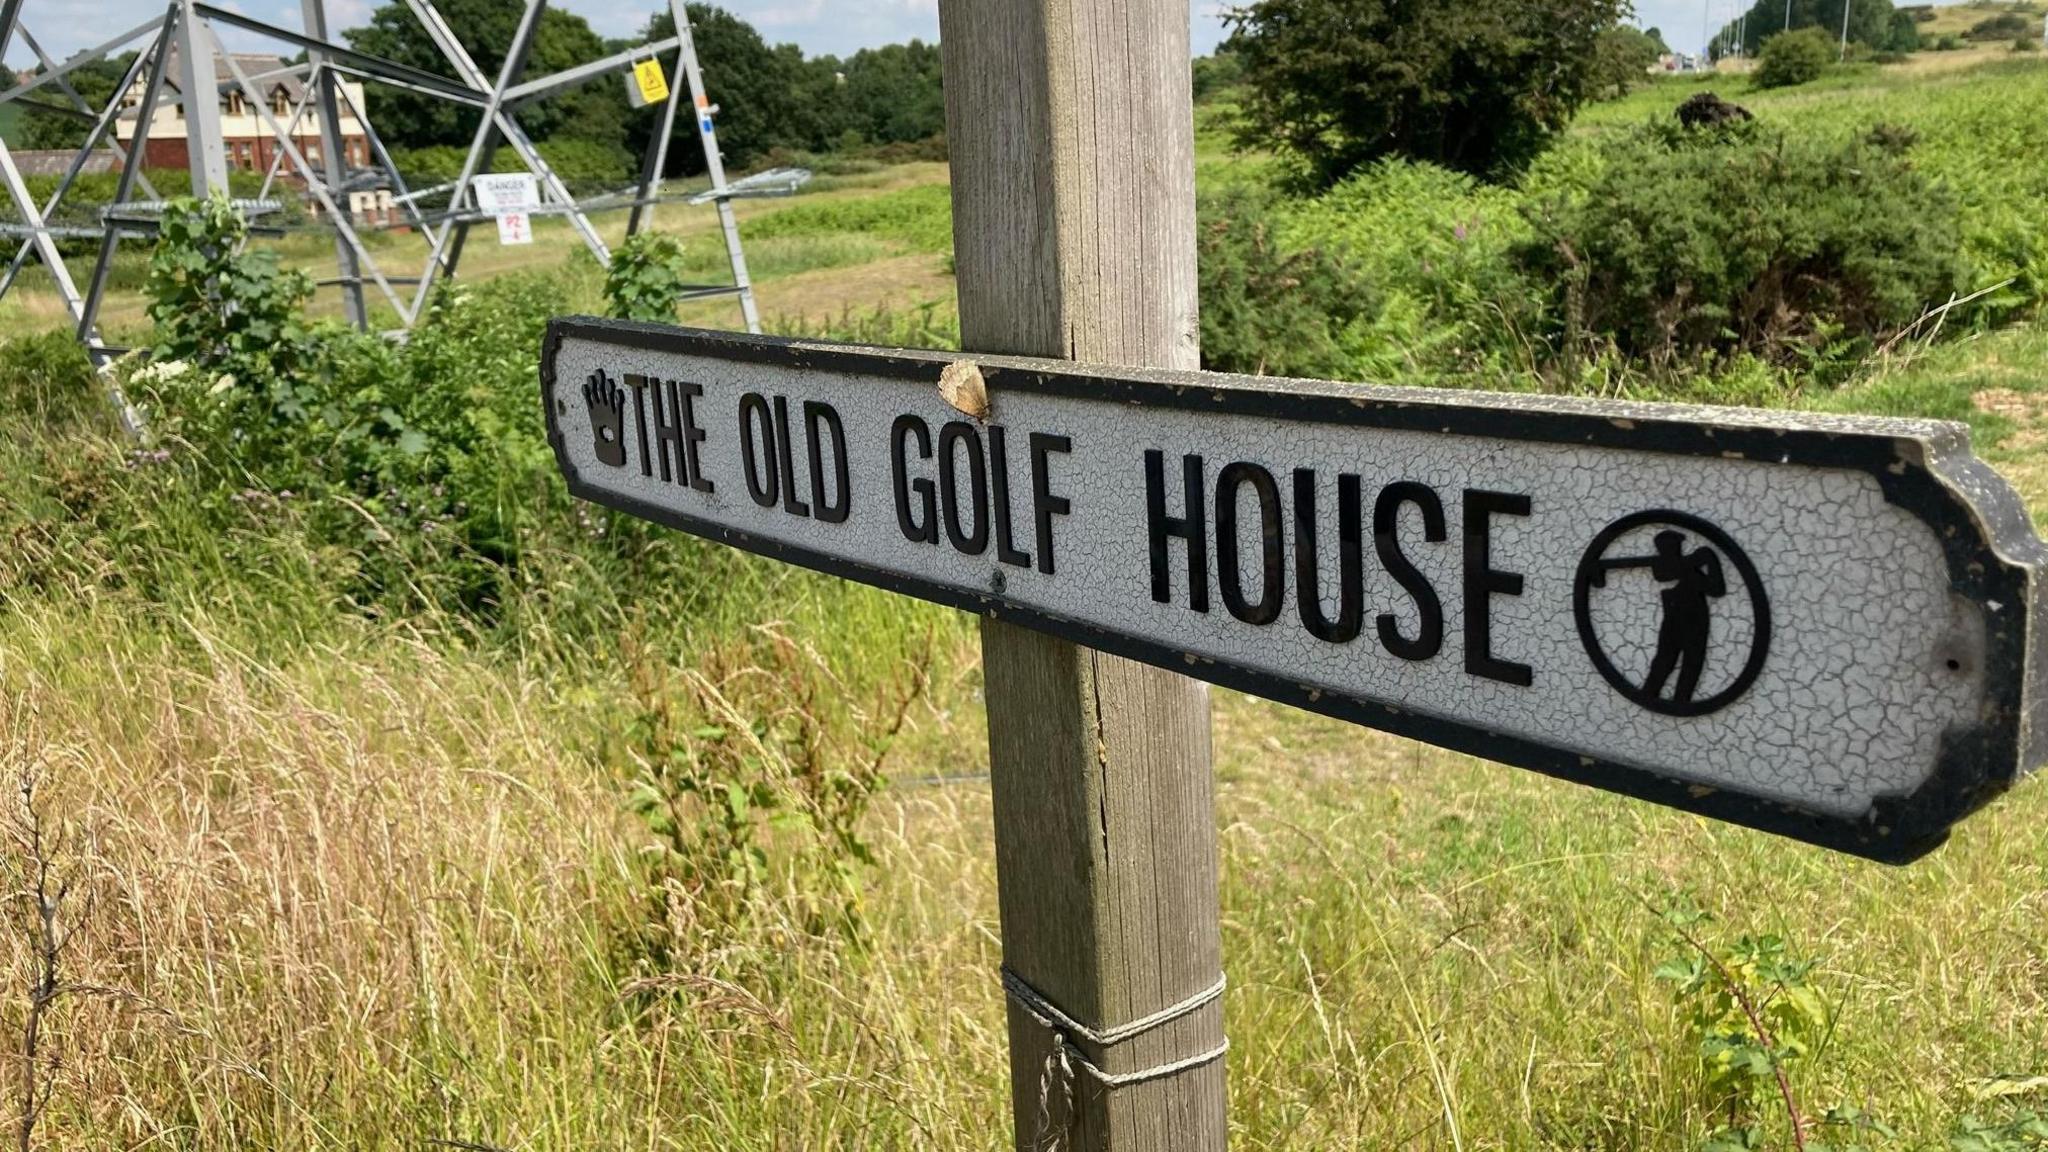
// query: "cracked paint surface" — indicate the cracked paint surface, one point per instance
point(1871, 656)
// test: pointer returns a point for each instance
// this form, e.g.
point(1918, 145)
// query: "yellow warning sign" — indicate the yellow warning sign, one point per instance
point(648, 82)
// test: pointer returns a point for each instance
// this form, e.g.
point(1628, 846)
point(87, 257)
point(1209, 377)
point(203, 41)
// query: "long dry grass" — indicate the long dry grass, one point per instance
point(386, 892)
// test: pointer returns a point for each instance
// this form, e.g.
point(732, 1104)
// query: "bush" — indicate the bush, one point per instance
point(2004, 26)
point(1719, 242)
point(647, 278)
point(2026, 44)
point(1796, 57)
point(1266, 310)
point(1480, 86)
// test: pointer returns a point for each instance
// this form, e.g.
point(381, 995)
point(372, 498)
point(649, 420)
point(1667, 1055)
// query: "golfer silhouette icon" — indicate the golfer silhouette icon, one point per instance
point(1695, 580)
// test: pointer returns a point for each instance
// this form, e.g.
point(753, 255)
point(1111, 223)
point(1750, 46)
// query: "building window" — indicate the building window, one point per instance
point(235, 105)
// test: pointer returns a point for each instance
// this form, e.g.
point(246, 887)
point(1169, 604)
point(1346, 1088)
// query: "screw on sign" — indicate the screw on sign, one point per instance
point(1824, 627)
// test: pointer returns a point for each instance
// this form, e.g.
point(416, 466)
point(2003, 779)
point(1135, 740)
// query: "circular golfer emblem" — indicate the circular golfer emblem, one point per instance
point(1672, 613)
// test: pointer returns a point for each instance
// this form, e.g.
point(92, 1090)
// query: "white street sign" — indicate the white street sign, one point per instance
point(1826, 627)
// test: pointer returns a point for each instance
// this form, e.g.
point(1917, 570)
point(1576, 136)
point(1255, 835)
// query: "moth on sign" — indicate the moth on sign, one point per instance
point(509, 197)
point(1826, 627)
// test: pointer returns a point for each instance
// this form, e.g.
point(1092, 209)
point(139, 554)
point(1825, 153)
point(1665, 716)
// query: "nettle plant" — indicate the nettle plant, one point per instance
point(647, 277)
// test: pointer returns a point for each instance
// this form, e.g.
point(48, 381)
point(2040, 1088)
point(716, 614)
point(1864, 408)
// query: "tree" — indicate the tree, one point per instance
point(95, 82)
point(1795, 57)
point(595, 110)
point(756, 88)
point(1625, 57)
point(1870, 23)
point(1902, 34)
point(1476, 85)
point(893, 93)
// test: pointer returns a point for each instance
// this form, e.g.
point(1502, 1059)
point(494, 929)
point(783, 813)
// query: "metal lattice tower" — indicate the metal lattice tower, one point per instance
point(187, 34)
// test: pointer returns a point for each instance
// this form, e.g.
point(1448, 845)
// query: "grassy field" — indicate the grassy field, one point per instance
point(358, 883)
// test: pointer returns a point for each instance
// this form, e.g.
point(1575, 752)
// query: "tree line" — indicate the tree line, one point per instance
point(770, 98)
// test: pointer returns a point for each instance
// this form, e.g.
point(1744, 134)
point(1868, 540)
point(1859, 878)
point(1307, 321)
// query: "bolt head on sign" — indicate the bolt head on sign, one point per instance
point(1825, 627)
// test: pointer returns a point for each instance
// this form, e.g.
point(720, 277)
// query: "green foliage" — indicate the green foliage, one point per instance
point(1902, 35)
point(1731, 241)
point(1871, 24)
point(1626, 54)
point(2004, 26)
point(596, 112)
point(2022, 1132)
point(920, 218)
point(773, 99)
point(230, 312)
point(1795, 57)
point(1755, 1016)
point(1266, 311)
point(42, 129)
point(734, 796)
point(1480, 86)
point(647, 278)
point(46, 378)
point(1216, 73)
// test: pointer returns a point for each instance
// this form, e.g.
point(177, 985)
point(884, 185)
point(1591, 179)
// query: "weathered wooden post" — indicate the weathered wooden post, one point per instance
point(1072, 138)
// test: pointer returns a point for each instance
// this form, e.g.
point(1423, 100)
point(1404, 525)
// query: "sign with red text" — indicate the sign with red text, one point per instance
point(510, 198)
point(1827, 627)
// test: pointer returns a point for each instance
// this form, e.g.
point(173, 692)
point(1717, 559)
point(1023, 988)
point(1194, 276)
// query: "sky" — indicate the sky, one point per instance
point(839, 27)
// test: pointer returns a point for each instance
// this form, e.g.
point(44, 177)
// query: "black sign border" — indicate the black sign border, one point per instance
point(1924, 467)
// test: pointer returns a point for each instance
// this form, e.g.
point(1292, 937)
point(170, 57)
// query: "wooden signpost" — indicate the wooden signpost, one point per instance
point(1824, 627)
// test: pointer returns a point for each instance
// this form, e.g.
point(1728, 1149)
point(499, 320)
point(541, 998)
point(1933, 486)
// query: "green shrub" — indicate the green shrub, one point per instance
point(2004, 26)
point(2027, 44)
point(1796, 57)
point(1267, 310)
point(1431, 248)
point(1732, 241)
point(1481, 86)
point(647, 277)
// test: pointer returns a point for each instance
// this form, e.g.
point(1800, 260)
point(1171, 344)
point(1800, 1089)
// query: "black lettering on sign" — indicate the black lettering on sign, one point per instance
point(785, 454)
point(668, 428)
point(999, 476)
point(1386, 528)
point(818, 415)
point(1045, 505)
point(639, 385)
point(676, 434)
point(1350, 559)
point(916, 529)
point(693, 435)
point(1192, 528)
point(1272, 581)
point(759, 486)
point(1483, 582)
point(957, 432)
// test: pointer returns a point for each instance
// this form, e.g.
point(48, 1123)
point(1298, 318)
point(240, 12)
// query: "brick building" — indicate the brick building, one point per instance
point(248, 141)
point(245, 137)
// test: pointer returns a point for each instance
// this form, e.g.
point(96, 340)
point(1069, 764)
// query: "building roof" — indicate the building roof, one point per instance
point(252, 64)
